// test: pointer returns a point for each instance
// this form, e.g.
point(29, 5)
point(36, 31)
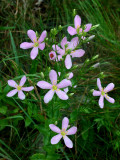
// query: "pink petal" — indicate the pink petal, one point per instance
point(27, 88)
point(71, 30)
point(59, 73)
point(68, 142)
point(99, 84)
point(62, 95)
point(70, 75)
point(26, 45)
point(42, 37)
point(12, 93)
point(96, 93)
point(65, 123)
point(66, 90)
point(41, 46)
point(109, 87)
point(48, 96)
point(64, 83)
point(12, 83)
point(22, 81)
point(31, 34)
point(109, 99)
point(21, 95)
point(44, 85)
point(63, 42)
point(72, 130)
point(52, 55)
point(87, 27)
point(101, 101)
point(59, 57)
point(77, 53)
point(34, 53)
point(56, 139)
point(68, 62)
point(53, 77)
point(73, 43)
point(77, 21)
point(56, 47)
point(54, 128)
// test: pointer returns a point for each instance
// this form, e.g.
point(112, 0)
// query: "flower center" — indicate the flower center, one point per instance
point(51, 55)
point(63, 132)
point(54, 87)
point(19, 88)
point(78, 26)
point(103, 92)
point(36, 44)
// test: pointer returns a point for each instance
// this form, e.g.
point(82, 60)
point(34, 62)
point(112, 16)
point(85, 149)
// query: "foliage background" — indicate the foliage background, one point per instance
point(24, 131)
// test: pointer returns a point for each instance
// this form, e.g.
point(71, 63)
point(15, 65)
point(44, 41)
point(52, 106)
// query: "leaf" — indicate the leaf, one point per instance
point(38, 156)
point(3, 110)
point(27, 122)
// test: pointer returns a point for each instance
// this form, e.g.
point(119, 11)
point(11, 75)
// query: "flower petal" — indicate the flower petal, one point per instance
point(22, 81)
point(109, 99)
point(71, 30)
point(63, 42)
point(68, 62)
point(44, 85)
point(31, 34)
point(56, 139)
point(52, 55)
point(21, 95)
point(62, 95)
point(41, 46)
point(48, 96)
point(99, 84)
point(87, 27)
point(72, 130)
point(66, 90)
point(96, 93)
point(53, 77)
point(70, 75)
point(27, 88)
point(77, 53)
point(42, 37)
point(12, 93)
point(12, 83)
point(77, 21)
point(64, 83)
point(73, 43)
point(65, 123)
point(101, 101)
point(59, 57)
point(109, 87)
point(56, 47)
point(26, 45)
point(68, 142)
point(54, 128)
point(34, 53)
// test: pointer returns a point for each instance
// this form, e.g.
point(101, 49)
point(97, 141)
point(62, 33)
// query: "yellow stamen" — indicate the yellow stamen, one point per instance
point(54, 87)
point(63, 132)
point(36, 44)
point(19, 88)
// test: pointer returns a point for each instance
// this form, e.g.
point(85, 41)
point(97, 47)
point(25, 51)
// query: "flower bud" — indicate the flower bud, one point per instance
point(95, 57)
point(71, 94)
point(74, 12)
point(42, 74)
point(91, 37)
point(56, 122)
point(94, 27)
point(60, 27)
point(87, 61)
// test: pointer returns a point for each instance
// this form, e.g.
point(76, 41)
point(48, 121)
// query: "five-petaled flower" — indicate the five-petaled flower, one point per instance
point(35, 44)
point(54, 87)
point(103, 93)
point(63, 133)
point(19, 88)
point(77, 22)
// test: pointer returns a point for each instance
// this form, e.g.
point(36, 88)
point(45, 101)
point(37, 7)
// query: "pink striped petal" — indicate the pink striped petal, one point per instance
point(87, 27)
point(65, 123)
point(109, 99)
point(68, 62)
point(68, 142)
point(77, 53)
point(31, 34)
point(109, 87)
point(96, 93)
point(22, 81)
point(99, 84)
point(64, 83)
point(54, 128)
point(42, 37)
point(53, 77)
point(41, 46)
point(12, 93)
point(73, 43)
point(27, 88)
point(72, 130)
point(77, 21)
point(62, 95)
point(101, 101)
point(49, 96)
point(12, 83)
point(21, 95)
point(56, 139)
point(63, 42)
point(44, 85)
point(34, 53)
point(71, 30)
point(26, 45)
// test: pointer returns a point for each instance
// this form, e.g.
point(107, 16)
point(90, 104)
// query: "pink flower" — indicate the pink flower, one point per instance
point(19, 88)
point(77, 22)
point(103, 93)
point(63, 133)
point(35, 44)
point(68, 50)
point(52, 55)
point(54, 87)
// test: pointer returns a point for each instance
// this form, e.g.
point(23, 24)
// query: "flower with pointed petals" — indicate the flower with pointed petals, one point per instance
point(103, 93)
point(54, 87)
point(19, 88)
point(68, 50)
point(63, 133)
point(77, 22)
point(35, 44)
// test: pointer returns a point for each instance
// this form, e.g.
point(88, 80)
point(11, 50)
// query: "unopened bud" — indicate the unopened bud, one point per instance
point(96, 65)
point(102, 75)
point(87, 61)
point(46, 39)
point(75, 66)
point(94, 27)
point(71, 94)
point(74, 12)
point(95, 57)
point(37, 35)
point(56, 122)
point(60, 27)
point(91, 37)
point(42, 74)
point(91, 91)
